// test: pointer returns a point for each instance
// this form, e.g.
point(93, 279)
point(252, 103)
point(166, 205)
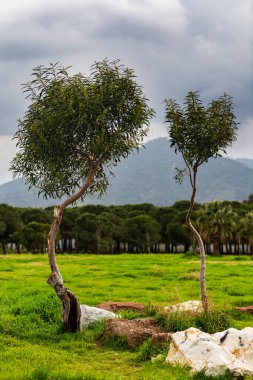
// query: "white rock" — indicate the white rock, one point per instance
point(214, 354)
point(90, 315)
point(188, 306)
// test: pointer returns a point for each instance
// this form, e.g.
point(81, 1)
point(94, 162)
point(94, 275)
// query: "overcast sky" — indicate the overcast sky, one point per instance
point(173, 46)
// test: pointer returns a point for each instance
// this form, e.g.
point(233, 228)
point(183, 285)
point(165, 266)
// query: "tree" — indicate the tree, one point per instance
point(250, 199)
point(76, 128)
point(68, 228)
point(142, 231)
point(94, 232)
point(246, 229)
point(104, 232)
point(38, 215)
point(86, 232)
point(9, 223)
point(217, 224)
point(34, 236)
point(178, 234)
point(199, 133)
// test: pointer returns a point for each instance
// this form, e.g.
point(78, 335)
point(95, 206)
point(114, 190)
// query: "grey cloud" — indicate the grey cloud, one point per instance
point(202, 51)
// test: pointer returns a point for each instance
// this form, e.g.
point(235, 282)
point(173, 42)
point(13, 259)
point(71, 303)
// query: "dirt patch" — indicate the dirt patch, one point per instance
point(115, 306)
point(136, 331)
point(248, 309)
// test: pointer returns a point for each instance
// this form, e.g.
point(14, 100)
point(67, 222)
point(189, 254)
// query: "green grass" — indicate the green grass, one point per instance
point(33, 346)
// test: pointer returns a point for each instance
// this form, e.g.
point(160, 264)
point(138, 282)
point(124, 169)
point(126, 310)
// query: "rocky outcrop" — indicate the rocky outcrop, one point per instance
point(91, 315)
point(136, 331)
point(116, 306)
point(214, 354)
point(185, 307)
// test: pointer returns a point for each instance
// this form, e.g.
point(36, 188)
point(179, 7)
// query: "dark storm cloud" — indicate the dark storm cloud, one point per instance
point(173, 45)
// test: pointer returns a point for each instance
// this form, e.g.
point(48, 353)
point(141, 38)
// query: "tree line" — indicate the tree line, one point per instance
point(226, 227)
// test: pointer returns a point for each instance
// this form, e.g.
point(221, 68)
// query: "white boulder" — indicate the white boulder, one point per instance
point(188, 306)
point(214, 354)
point(90, 315)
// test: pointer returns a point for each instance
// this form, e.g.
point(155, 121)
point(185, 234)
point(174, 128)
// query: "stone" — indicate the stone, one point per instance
point(188, 306)
point(248, 309)
point(115, 306)
point(91, 315)
point(214, 354)
point(136, 331)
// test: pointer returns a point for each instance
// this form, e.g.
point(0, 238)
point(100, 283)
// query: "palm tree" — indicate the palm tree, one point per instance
point(217, 224)
point(246, 229)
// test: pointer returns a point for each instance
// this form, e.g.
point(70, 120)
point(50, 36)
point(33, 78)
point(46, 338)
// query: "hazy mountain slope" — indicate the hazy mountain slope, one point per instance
point(147, 176)
point(246, 161)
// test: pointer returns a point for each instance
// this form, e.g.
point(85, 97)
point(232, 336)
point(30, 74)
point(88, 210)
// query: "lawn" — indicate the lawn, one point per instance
point(32, 345)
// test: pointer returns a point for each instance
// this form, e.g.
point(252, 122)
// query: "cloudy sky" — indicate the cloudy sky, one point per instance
point(173, 46)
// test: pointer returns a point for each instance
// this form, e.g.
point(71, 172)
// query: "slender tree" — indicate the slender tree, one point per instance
point(199, 133)
point(76, 128)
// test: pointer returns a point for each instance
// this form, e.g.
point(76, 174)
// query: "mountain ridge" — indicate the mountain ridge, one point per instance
point(147, 177)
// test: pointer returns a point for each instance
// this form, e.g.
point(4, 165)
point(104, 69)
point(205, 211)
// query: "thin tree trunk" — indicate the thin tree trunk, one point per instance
point(148, 242)
point(216, 247)
point(200, 243)
point(18, 248)
point(71, 311)
point(98, 237)
point(3, 247)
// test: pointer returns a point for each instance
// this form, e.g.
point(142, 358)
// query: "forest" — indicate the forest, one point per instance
point(226, 227)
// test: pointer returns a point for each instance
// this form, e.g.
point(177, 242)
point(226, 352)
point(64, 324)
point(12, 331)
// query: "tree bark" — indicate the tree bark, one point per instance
point(216, 246)
point(71, 311)
point(3, 247)
point(204, 299)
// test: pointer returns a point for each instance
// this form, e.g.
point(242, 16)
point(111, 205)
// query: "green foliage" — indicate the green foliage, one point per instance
point(74, 121)
point(199, 132)
point(147, 351)
point(217, 223)
point(9, 223)
point(202, 376)
point(116, 342)
point(38, 215)
point(34, 236)
point(210, 322)
point(82, 228)
point(94, 232)
point(177, 233)
point(142, 230)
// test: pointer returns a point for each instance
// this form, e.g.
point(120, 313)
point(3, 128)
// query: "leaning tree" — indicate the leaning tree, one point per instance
point(75, 130)
point(199, 133)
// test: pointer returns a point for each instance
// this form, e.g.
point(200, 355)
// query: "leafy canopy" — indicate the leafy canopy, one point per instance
point(74, 121)
point(200, 132)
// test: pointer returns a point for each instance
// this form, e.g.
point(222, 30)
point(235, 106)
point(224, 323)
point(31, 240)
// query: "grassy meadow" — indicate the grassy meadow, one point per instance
point(33, 346)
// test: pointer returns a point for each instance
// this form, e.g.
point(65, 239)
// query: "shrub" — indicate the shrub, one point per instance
point(210, 322)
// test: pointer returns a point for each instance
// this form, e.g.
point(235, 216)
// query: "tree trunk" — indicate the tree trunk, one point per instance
point(216, 247)
point(71, 311)
point(98, 237)
point(204, 299)
point(17, 247)
point(148, 242)
point(186, 247)
point(3, 247)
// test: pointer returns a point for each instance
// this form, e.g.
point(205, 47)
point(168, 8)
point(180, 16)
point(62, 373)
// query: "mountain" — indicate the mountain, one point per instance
point(147, 177)
point(246, 161)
